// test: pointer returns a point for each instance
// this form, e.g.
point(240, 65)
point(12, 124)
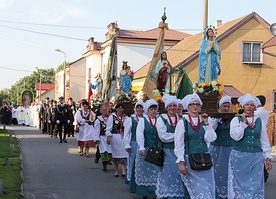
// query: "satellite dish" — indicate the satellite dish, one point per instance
point(273, 29)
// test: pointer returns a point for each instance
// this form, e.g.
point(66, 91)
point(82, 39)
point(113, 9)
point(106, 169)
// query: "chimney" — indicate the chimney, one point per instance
point(218, 23)
point(112, 28)
point(90, 45)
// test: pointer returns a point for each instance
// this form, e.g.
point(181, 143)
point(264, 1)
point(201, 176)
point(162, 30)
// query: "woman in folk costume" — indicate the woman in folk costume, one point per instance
point(246, 163)
point(115, 135)
point(131, 144)
point(169, 183)
point(100, 138)
point(200, 183)
point(220, 149)
point(86, 135)
point(146, 134)
point(179, 109)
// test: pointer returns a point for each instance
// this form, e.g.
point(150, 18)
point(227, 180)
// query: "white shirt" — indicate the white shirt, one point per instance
point(263, 114)
point(127, 130)
point(140, 132)
point(237, 133)
point(162, 129)
point(179, 150)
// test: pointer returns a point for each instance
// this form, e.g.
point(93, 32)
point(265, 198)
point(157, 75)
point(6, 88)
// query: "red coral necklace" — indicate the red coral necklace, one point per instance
point(173, 124)
point(153, 125)
point(252, 124)
point(193, 126)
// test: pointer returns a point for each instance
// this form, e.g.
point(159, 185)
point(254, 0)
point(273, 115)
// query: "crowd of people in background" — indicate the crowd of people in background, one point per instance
point(239, 148)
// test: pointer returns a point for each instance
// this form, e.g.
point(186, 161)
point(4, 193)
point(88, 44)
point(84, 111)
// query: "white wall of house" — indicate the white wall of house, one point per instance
point(93, 62)
point(78, 79)
point(136, 55)
point(59, 79)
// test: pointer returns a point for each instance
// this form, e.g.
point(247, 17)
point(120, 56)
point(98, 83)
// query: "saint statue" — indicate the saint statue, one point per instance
point(162, 73)
point(127, 80)
point(209, 57)
point(98, 86)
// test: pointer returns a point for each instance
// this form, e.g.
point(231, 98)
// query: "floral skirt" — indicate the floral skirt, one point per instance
point(105, 157)
point(122, 161)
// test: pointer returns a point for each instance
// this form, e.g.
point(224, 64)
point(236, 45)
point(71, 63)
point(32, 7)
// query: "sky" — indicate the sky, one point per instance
point(31, 30)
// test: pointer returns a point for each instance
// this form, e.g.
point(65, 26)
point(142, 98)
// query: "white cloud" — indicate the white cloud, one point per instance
point(5, 3)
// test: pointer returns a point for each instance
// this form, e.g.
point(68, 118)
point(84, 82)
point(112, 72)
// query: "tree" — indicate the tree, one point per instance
point(13, 94)
point(4, 95)
point(61, 66)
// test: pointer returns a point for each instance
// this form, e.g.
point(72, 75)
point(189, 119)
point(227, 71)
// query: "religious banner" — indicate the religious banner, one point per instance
point(27, 97)
point(110, 81)
point(150, 82)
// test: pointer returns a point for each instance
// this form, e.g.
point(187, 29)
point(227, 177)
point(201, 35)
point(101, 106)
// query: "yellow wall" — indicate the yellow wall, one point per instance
point(255, 79)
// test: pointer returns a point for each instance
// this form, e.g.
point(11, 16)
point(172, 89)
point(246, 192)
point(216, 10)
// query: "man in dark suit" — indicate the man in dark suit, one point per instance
point(62, 119)
point(51, 118)
point(72, 112)
point(43, 115)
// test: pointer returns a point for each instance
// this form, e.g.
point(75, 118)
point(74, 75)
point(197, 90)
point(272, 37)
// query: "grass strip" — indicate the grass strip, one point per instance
point(10, 175)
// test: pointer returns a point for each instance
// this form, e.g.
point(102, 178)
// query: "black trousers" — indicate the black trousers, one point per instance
point(71, 129)
point(65, 129)
point(52, 129)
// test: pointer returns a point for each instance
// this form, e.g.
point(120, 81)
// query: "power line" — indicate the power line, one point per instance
point(53, 25)
point(42, 33)
point(15, 69)
point(91, 27)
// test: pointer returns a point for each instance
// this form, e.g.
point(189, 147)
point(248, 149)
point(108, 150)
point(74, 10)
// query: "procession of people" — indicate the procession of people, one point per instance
point(199, 155)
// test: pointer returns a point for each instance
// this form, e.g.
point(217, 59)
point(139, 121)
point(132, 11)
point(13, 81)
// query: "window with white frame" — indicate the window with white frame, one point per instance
point(251, 52)
point(274, 100)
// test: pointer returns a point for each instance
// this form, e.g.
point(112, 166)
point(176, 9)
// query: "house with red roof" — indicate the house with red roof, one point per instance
point(134, 46)
point(248, 61)
point(44, 90)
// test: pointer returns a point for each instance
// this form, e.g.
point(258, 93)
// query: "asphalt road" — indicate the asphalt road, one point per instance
point(56, 170)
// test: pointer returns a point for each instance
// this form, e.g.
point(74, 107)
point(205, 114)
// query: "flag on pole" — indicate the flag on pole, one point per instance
point(90, 93)
point(110, 81)
point(185, 86)
point(150, 82)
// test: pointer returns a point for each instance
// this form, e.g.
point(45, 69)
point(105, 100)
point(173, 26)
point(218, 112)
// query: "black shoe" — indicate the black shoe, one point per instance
point(73, 136)
point(123, 175)
point(104, 169)
point(64, 140)
point(145, 197)
point(116, 175)
point(60, 141)
point(96, 160)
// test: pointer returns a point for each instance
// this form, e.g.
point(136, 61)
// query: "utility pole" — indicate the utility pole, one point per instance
point(205, 14)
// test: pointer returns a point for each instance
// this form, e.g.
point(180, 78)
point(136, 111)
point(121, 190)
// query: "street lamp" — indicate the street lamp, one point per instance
point(40, 78)
point(64, 68)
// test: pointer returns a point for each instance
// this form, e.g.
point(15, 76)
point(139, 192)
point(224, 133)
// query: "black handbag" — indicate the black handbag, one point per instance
point(198, 161)
point(155, 154)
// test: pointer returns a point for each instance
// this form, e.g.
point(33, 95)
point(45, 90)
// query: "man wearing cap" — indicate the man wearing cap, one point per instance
point(62, 119)
point(72, 112)
point(43, 115)
point(51, 118)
